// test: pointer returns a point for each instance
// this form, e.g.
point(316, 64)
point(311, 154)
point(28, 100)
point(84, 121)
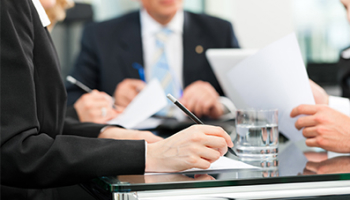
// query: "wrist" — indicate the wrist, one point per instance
point(149, 162)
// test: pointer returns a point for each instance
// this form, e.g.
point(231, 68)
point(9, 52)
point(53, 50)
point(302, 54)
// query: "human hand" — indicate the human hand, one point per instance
point(195, 147)
point(339, 164)
point(112, 132)
point(96, 107)
point(324, 127)
point(202, 99)
point(320, 95)
point(127, 90)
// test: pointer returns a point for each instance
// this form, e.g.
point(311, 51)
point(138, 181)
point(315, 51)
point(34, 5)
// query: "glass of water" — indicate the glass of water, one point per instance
point(257, 134)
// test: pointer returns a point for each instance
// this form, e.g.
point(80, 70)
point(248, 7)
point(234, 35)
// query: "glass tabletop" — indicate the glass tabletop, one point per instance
point(295, 164)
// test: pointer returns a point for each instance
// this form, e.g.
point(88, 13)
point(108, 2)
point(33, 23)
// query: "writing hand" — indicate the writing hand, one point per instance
point(127, 90)
point(96, 107)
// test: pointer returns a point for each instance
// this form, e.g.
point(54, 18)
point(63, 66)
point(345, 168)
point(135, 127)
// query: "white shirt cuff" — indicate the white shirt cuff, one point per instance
point(340, 104)
point(229, 108)
point(145, 151)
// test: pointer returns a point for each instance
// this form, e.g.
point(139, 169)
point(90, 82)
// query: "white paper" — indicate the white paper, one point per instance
point(223, 163)
point(149, 123)
point(148, 102)
point(275, 77)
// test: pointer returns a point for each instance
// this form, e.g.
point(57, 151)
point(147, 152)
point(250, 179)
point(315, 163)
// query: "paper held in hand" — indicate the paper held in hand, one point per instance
point(148, 102)
point(273, 78)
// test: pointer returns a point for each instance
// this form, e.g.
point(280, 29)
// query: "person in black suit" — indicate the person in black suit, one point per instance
point(111, 48)
point(41, 149)
point(344, 72)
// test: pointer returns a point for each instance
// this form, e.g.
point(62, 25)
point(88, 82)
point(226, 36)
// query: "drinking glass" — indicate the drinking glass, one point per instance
point(257, 134)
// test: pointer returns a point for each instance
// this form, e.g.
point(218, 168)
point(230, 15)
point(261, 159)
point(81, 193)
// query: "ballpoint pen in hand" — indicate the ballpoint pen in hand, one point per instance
point(84, 87)
point(192, 116)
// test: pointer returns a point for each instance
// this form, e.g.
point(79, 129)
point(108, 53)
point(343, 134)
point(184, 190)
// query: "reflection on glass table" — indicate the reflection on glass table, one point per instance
point(296, 170)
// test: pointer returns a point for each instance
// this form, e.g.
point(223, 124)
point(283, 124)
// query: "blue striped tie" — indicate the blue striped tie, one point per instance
point(162, 71)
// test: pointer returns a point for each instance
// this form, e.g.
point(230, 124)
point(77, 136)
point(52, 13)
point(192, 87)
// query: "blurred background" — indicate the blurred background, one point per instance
point(320, 25)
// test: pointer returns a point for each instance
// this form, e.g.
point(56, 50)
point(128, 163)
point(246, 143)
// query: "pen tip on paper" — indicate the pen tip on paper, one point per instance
point(171, 98)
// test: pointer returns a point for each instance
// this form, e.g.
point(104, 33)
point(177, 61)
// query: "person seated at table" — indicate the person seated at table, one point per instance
point(161, 36)
point(324, 126)
point(42, 150)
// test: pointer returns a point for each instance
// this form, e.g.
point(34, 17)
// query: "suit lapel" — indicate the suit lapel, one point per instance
point(192, 38)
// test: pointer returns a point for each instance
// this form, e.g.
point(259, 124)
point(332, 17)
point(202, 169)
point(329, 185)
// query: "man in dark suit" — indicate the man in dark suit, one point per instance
point(41, 149)
point(110, 49)
point(326, 124)
point(344, 72)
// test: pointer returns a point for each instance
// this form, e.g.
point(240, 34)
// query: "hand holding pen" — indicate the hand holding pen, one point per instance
point(191, 115)
point(94, 106)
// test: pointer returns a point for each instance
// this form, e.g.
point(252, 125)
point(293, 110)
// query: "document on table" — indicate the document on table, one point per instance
point(147, 103)
point(223, 163)
point(275, 77)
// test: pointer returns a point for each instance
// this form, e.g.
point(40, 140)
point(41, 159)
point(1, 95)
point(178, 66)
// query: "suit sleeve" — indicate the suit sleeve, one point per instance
point(86, 69)
point(30, 157)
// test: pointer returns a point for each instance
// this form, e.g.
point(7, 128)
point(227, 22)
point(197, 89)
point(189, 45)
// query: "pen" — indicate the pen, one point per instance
point(191, 115)
point(79, 84)
point(140, 69)
point(84, 87)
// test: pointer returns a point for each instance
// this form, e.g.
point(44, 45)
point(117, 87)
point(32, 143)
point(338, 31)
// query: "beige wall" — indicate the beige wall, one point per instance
point(257, 23)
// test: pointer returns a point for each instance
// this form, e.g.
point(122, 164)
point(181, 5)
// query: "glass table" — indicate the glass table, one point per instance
point(298, 172)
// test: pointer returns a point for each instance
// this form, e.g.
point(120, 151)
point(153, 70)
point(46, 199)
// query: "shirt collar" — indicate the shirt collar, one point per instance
point(149, 26)
point(41, 12)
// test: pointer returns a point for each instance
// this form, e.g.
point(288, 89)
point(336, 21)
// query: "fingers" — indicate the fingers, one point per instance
point(127, 90)
point(215, 131)
point(304, 109)
point(200, 97)
point(150, 137)
point(305, 122)
point(95, 107)
point(208, 154)
point(310, 132)
point(199, 163)
point(216, 143)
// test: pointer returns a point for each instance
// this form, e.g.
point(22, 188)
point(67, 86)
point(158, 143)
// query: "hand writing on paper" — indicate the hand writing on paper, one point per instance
point(195, 147)
point(324, 127)
point(127, 90)
point(202, 99)
point(96, 107)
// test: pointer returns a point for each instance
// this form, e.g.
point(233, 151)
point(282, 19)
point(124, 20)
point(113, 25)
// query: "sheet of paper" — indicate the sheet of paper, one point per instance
point(148, 102)
point(275, 77)
point(149, 123)
point(223, 163)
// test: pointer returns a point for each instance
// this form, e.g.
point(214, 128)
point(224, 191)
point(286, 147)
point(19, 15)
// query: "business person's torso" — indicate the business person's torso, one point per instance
point(117, 44)
point(344, 72)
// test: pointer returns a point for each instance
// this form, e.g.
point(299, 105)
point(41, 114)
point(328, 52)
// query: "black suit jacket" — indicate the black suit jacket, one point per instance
point(108, 50)
point(40, 148)
point(344, 75)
